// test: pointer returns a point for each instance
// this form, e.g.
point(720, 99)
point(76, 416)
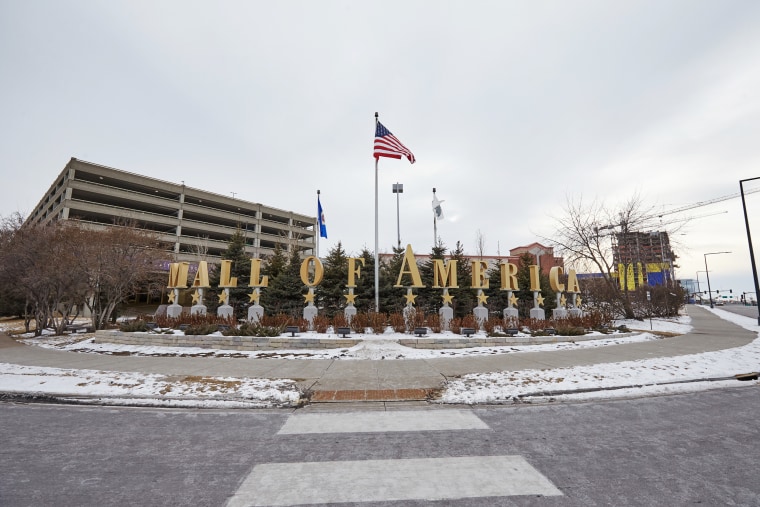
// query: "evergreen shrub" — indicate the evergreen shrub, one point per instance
point(134, 326)
point(570, 330)
point(201, 329)
point(253, 329)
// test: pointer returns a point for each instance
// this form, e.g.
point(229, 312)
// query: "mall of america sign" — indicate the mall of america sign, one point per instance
point(444, 278)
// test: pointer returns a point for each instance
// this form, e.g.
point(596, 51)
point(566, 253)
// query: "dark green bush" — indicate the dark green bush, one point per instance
point(134, 326)
point(201, 329)
point(571, 331)
point(254, 329)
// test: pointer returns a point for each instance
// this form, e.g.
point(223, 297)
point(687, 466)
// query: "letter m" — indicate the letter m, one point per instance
point(178, 275)
point(445, 273)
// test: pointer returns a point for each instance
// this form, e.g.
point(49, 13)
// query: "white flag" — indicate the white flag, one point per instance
point(437, 208)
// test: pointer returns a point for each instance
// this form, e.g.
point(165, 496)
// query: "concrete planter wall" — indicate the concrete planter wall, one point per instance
point(222, 342)
point(300, 342)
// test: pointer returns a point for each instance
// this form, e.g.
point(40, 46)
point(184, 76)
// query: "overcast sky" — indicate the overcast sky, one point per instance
point(509, 107)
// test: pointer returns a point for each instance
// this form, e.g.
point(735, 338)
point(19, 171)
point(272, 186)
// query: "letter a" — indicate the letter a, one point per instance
point(572, 281)
point(409, 266)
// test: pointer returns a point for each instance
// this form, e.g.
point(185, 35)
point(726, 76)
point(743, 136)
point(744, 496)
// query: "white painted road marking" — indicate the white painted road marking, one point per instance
point(279, 484)
point(365, 422)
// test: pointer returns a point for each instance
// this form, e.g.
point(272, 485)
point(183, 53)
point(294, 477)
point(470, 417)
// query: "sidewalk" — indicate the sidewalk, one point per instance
point(389, 379)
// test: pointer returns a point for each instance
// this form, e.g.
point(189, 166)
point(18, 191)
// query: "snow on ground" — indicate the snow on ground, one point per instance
point(633, 378)
point(629, 378)
point(149, 389)
point(384, 346)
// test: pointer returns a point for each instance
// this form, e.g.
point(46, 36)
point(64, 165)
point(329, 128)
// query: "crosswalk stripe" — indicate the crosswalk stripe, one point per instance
point(282, 484)
point(366, 422)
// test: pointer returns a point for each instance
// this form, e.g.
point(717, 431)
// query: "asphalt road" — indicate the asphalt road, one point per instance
point(747, 311)
point(673, 450)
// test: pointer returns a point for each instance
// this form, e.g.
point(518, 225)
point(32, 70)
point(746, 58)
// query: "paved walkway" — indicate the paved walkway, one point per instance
point(408, 379)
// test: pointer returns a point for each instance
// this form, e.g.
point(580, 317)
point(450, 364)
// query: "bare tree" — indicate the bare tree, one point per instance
point(117, 262)
point(584, 237)
point(480, 244)
point(200, 249)
point(12, 301)
point(37, 262)
point(61, 267)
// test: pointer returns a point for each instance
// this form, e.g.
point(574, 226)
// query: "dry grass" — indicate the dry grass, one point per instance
point(11, 326)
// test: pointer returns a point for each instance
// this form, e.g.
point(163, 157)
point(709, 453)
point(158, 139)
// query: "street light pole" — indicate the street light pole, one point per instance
point(398, 188)
point(707, 271)
point(698, 289)
point(749, 240)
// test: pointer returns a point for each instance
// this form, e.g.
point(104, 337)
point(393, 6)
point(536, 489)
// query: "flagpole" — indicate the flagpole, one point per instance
point(435, 223)
point(377, 263)
point(319, 222)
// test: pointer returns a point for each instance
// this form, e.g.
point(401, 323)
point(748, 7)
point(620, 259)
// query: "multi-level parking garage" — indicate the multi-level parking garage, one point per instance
point(197, 223)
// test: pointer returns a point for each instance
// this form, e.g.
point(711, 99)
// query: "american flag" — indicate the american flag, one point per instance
point(386, 145)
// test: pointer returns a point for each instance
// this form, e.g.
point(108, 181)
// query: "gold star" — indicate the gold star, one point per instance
point(171, 297)
point(196, 297)
point(512, 300)
point(447, 298)
point(350, 298)
point(578, 301)
point(482, 298)
point(540, 300)
point(562, 300)
point(253, 297)
point(222, 296)
point(410, 297)
point(309, 296)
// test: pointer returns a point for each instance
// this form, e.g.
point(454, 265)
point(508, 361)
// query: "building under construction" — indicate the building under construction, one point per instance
point(643, 258)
